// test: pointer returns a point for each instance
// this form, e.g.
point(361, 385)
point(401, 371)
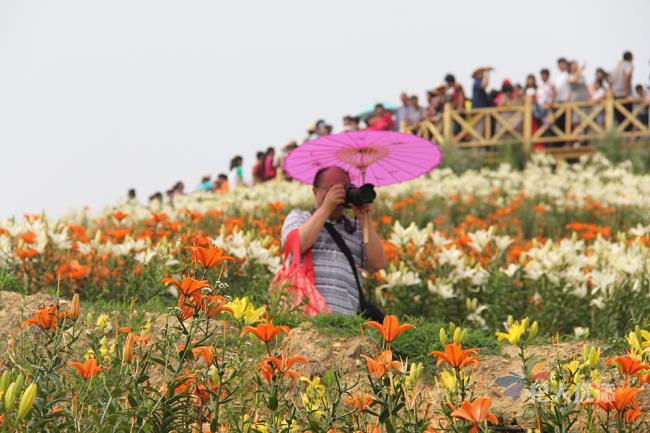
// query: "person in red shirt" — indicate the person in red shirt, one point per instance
point(382, 120)
point(258, 168)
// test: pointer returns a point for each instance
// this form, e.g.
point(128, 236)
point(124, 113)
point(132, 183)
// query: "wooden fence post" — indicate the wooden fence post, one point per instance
point(609, 111)
point(528, 125)
point(447, 130)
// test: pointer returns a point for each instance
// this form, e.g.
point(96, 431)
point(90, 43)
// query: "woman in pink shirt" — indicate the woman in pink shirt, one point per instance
point(383, 120)
point(270, 169)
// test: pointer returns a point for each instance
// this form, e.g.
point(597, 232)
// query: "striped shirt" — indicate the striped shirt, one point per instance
point(332, 271)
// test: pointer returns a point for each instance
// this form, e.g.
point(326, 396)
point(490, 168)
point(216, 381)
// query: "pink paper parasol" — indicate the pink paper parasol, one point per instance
point(377, 157)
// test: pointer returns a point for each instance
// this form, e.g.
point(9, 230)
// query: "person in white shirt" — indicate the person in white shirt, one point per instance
point(562, 85)
point(545, 90)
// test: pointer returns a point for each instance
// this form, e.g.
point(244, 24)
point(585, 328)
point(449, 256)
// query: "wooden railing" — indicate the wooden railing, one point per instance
point(565, 123)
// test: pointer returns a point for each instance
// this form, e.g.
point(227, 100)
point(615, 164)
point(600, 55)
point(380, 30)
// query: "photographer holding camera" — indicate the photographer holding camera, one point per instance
point(336, 242)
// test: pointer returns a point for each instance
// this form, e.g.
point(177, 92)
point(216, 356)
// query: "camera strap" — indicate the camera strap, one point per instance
point(348, 255)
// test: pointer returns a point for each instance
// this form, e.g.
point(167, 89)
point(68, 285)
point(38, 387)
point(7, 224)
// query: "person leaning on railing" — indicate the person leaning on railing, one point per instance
point(620, 80)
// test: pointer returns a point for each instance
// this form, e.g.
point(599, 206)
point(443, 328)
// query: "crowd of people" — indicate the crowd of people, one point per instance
point(267, 167)
point(567, 84)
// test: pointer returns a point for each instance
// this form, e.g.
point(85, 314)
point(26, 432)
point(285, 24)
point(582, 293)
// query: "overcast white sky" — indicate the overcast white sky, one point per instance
point(99, 96)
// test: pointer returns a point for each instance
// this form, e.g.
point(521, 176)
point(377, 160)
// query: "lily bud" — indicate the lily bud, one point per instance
point(146, 330)
point(127, 350)
point(27, 400)
point(20, 381)
point(442, 336)
point(75, 308)
point(10, 397)
point(594, 356)
point(4, 382)
point(458, 335)
point(74, 404)
point(532, 332)
point(415, 372)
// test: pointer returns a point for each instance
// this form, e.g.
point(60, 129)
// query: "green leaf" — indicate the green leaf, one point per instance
point(163, 364)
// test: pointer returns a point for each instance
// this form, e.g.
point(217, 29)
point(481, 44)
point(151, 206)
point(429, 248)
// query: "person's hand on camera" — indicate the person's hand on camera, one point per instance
point(361, 211)
point(334, 198)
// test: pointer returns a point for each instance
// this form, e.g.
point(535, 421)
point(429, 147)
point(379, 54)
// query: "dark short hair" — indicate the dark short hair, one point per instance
point(259, 155)
point(223, 176)
point(627, 56)
point(322, 171)
point(544, 71)
point(449, 78)
point(562, 59)
point(379, 106)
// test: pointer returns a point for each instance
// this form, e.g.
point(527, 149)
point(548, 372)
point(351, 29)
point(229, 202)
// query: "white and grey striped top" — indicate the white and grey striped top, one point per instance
point(332, 272)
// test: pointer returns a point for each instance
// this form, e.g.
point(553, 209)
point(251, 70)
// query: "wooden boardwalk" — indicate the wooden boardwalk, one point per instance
point(567, 130)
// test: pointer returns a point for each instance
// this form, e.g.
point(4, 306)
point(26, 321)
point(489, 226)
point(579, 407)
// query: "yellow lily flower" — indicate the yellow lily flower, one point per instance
point(515, 330)
point(244, 310)
point(448, 380)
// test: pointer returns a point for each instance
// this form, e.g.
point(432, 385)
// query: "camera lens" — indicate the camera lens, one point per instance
point(360, 196)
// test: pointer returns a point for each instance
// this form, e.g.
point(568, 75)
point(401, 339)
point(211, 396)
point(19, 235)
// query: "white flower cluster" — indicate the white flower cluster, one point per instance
point(245, 246)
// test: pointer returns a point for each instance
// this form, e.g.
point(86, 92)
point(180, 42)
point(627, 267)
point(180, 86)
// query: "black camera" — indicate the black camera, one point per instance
point(361, 195)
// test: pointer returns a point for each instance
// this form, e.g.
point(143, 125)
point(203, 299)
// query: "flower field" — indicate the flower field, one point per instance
point(163, 320)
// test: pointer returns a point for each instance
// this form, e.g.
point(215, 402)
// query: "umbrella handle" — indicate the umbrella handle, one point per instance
point(366, 224)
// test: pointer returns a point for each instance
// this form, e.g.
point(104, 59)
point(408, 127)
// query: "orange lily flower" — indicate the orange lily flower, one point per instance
point(208, 257)
point(26, 253)
point(88, 369)
point(632, 415)
point(46, 318)
point(359, 401)
point(475, 412)
point(119, 215)
point(206, 353)
point(265, 331)
point(214, 305)
point(628, 365)
point(272, 365)
point(73, 270)
point(28, 237)
point(189, 286)
point(382, 364)
point(194, 216)
point(185, 382)
point(455, 356)
point(158, 216)
point(620, 399)
point(186, 311)
point(390, 329)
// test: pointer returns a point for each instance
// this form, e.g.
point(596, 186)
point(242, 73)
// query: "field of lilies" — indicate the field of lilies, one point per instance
point(162, 319)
